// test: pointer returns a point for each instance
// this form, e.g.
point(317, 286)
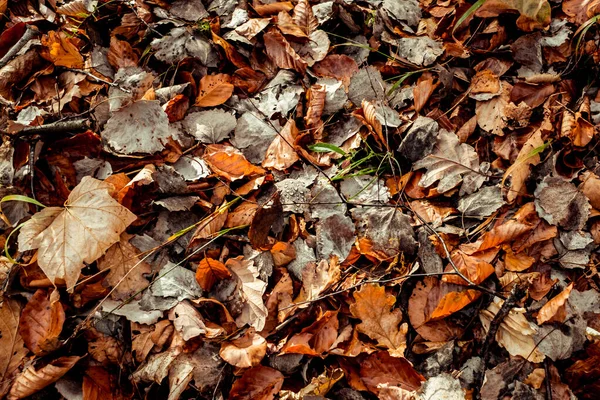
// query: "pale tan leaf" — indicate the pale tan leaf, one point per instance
point(89, 224)
point(316, 103)
point(281, 154)
point(551, 311)
point(519, 171)
point(254, 311)
point(304, 17)
point(590, 186)
point(374, 308)
point(11, 342)
point(126, 269)
point(32, 381)
point(316, 278)
point(42, 321)
point(515, 334)
point(187, 320)
point(245, 351)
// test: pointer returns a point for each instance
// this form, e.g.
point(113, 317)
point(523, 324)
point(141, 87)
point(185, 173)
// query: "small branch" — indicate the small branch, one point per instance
point(74, 125)
point(30, 33)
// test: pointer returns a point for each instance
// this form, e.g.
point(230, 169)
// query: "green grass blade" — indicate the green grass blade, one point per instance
point(467, 14)
point(326, 148)
point(18, 197)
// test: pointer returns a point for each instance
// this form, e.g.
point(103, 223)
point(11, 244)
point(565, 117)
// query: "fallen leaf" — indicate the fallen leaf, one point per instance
point(519, 171)
point(272, 8)
point(246, 351)
point(561, 203)
point(475, 269)
point(126, 269)
point(281, 153)
point(90, 222)
point(316, 339)
point(254, 311)
point(42, 322)
point(61, 51)
point(214, 90)
point(257, 383)
point(318, 386)
point(282, 53)
point(515, 334)
point(534, 14)
point(316, 278)
point(10, 311)
point(516, 262)
point(304, 17)
point(229, 163)
point(187, 320)
point(338, 66)
point(381, 368)
point(378, 321)
point(551, 311)
point(32, 381)
point(209, 272)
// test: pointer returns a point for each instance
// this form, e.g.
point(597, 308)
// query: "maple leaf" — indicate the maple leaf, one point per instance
point(374, 308)
point(66, 238)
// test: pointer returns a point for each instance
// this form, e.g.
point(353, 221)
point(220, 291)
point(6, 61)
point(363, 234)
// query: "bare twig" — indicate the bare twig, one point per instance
point(30, 33)
point(74, 125)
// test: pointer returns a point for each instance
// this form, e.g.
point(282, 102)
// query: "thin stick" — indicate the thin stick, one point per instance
point(30, 33)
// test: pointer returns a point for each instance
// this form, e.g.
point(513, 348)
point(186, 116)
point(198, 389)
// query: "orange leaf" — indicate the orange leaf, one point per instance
point(42, 321)
point(475, 269)
point(209, 272)
point(516, 262)
point(453, 302)
point(214, 90)
point(381, 368)
point(273, 8)
point(258, 383)
point(384, 325)
point(283, 253)
point(229, 163)
point(60, 50)
point(315, 339)
point(553, 310)
point(246, 351)
point(230, 51)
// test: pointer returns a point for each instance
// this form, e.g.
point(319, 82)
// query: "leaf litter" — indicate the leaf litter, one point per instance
point(299, 199)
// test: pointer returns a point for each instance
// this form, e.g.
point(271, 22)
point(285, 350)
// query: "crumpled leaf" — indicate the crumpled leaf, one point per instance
point(282, 53)
point(374, 308)
point(516, 333)
point(257, 383)
point(450, 164)
point(442, 386)
point(177, 283)
point(482, 203)
point(254, 311)
point(90, 222)
point(419, 50)
point(187, 320)
point(126, 269)
point(281, 153)
point(246, 351)
point(31, 380)
point(142, 127)
point(491, 115)
point(560, 203)
point(42, 322)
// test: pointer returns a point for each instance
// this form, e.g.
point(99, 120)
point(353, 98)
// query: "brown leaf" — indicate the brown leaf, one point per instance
point(316, 103)
point(281, 52)
point(590, 186)
point(230, 51)
point(374, 308)
point(338, 66)
point(316, 278)
point(553, 310)
point(61, 51)
point(264, 218)
point(281, 154)
point(242, 214)
point(423, 91)
point(10, 339)
point(248, 80)
point(229, 163)
point(381, 368)
point(210, 271)
point(121, 54)
point(287, 26)
point(42, 321)
point(258, 383)
point(283, 253)
point(474, 268)
point(432, 300)
point(280, 298)
point(246, 351)
point(99, 384)
point(214, 90)
point(210, 226)
point(315, 339)
point(126, 269)
point(32, 381)
point(304, 17)
point(534, 14)
point(519, 171)
point(516, 262)
point(177, 107)
point(103, 348)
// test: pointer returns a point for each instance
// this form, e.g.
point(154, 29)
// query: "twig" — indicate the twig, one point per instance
point(516, 293)
point(547, 380)
point(97, 79)
point(30, 33)
point(79, 124)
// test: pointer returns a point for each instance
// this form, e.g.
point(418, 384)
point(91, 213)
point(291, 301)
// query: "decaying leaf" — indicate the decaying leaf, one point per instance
point(33, 380)
point(90, 222)
point(10, 311)
point(42, 322)
point(258, 383)
point(246, 351)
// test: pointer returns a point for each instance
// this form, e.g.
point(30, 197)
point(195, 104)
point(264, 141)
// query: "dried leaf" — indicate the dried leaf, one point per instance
point(381, 368)
point(258, 383)
point(10, 339)
point(551, 311)
point(209, 272)
point(214, 90)
point(246, 351)
point(61, 51)
point(304, 17)
point(534, 14)
point(282, 53)
point(31, 380)
point(229, 163)
point(519, 171)
point(79, 233)
point(281, 153)
point(474, 268)
point(42, 321)
point(254, 311)
point(374, 308)
point(316, 339)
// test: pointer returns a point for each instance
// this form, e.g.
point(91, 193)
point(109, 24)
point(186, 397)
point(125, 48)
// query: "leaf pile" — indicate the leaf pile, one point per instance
point(299, 199)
